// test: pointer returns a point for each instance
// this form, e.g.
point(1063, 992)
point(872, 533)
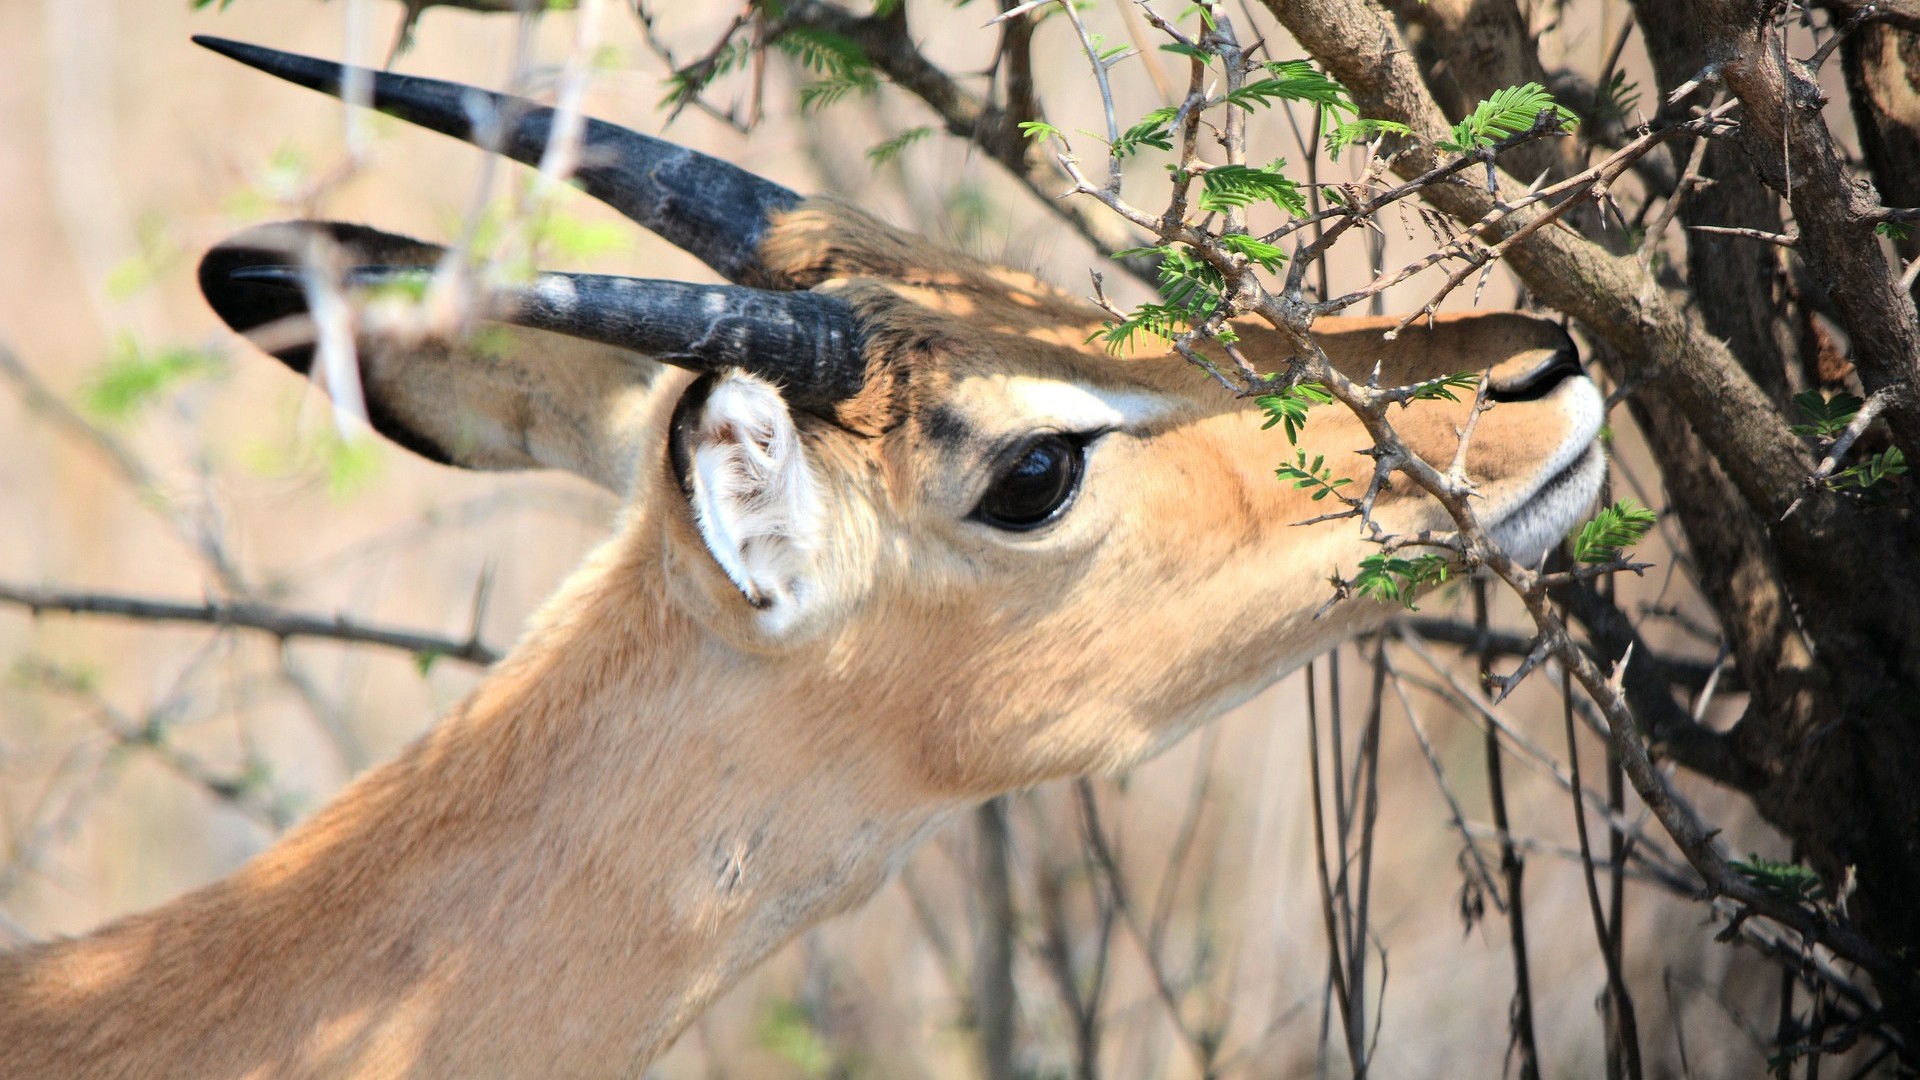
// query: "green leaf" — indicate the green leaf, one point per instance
point(1191, 288)
point(833, 89)
point(133, 378)
point(685, 85)
point(1826, 417)
point(1780, 880)
point(1872, 470)
point(1442, 389)
point(1395, 579)
point(1506, 113)
point(1313, 475)
point(1190, 284)
point(1187, 50)
point(1894, 230)
point(1289, 407)
point(787, 1032)
point(1293, 80)
point(824, 52)
point(1039, 129)
point(1267, 256)
point(1615, 101)
point(1342, 135)
point(1232, 186)
point(882, 153)
point(1206, 14)
point(1612, 530)
point(1158, 320)
point(1151, 131)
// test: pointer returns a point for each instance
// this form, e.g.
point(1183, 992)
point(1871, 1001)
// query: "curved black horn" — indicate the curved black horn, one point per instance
point(808, 343)
point(705, 206)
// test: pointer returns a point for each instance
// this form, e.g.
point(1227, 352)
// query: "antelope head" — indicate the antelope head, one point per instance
point(909, 468)
point(895, 538)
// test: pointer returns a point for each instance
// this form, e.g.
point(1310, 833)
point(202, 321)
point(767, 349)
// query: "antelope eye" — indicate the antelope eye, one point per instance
point(1042, 479)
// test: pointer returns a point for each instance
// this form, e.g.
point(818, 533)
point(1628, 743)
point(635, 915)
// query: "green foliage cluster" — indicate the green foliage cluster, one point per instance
point(882, 153)
point(1781, 880)
point(1191, 290)
point(1826, 418)
point(1395, 579)
point(1616, 100)
point(1190, 298)
point(1445, 387)
point(1313, 475)
point(1614, 529)
point(134, 377)
point(1152, 130)
point(842, 66)
point(1505, 114)
point(1232, 187)
point(1871, 470)
point(1289, 407)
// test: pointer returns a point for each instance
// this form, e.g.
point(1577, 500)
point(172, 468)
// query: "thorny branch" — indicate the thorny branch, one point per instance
point(883, 38)
point(1287, 313)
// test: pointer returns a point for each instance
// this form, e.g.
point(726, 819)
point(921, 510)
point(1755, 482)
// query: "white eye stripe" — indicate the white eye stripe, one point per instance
point(1076, 407)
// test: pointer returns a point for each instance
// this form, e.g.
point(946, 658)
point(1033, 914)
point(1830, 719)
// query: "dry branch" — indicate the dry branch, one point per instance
point(277, 622)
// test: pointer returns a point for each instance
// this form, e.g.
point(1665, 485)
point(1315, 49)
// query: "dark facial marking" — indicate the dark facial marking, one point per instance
point(946, 427)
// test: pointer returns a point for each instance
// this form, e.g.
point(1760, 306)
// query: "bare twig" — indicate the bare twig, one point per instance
point(1512, 868)
point(274, 621)
point(1623, 1040)
point(1765, 237)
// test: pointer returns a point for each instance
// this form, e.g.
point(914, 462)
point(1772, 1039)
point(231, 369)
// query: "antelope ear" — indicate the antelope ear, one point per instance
point(505, 397)
point(752, 492)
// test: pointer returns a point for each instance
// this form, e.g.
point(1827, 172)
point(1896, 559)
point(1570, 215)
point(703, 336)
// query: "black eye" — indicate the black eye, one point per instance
point(1043, 479)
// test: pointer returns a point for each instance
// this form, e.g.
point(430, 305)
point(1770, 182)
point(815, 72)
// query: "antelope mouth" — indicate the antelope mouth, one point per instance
point(1567, 483)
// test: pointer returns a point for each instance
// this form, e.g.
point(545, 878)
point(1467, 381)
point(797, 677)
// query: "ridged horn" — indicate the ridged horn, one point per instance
point(807, 343)
point(707, 207)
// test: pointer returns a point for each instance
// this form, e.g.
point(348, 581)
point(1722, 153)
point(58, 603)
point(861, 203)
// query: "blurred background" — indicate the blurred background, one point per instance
point(1168, 923)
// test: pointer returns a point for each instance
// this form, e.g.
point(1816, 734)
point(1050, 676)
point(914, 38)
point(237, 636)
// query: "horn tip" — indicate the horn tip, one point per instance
point(224, 46)
point(302, 70)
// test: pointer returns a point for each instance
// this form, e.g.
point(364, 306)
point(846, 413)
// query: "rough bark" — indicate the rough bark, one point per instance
point(1737, 283)
point(1882, 65)
point(1786, 138)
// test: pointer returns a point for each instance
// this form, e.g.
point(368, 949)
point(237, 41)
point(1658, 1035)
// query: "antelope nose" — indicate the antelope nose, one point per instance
point(1536, 376)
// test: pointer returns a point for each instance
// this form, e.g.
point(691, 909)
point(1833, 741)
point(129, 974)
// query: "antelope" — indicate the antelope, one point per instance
point(895, 539)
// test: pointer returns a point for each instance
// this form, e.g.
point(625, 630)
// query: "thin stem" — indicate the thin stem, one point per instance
point(277, 622)
point(1512, 868)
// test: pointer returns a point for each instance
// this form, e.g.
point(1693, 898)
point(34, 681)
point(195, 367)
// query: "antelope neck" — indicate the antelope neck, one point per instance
point(621, 820)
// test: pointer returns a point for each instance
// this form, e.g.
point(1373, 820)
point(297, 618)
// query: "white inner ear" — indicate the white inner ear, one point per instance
point(754, 499)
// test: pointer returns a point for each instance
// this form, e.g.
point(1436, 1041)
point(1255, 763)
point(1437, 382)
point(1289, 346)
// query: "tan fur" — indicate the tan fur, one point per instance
point(654, 790)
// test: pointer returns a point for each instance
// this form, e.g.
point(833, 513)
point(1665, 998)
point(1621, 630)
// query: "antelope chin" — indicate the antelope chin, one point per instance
point(1570, 481)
